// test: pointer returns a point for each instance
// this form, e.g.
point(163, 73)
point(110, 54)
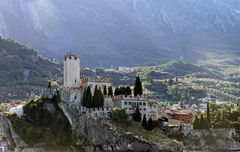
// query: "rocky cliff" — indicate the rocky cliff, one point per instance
point(100, 134)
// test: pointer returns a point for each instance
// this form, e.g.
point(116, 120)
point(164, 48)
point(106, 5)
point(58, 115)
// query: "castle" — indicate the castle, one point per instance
point(73, 85)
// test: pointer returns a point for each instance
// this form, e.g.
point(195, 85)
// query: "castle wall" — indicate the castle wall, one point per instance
point(94, 84)
point(72, 96)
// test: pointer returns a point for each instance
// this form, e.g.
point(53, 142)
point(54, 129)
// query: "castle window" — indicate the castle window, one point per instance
point(75, 97)
point(75, 81)
point(129, 103)
point(144, 104)
point(70, 57)
point(75, 58)
point(125, 103)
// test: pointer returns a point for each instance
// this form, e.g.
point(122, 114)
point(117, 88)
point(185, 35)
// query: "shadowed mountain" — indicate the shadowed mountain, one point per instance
point(22, 69)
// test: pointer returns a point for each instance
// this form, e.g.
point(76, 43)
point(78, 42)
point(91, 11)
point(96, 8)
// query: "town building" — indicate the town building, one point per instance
point(182, 116)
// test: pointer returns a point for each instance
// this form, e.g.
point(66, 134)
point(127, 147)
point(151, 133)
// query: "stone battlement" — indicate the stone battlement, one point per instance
point(96, 79)
point(69, 54)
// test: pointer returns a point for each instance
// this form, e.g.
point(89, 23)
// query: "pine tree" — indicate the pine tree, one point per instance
point(110, 91)
point(144, 122)
point(137, 115)
point(150, 124)
point(105, 90)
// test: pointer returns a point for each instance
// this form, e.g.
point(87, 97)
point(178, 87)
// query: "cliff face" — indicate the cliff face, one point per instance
point(211, 140)
point(100, 134)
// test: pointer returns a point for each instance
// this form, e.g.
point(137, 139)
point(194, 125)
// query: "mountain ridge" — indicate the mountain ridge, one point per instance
point(104, 32)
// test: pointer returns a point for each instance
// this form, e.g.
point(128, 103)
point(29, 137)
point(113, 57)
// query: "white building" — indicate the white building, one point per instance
point(17, 110)
point(100, 82)
point(71, 71)
point(129, 104)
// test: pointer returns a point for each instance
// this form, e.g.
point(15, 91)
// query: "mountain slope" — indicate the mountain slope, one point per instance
point(22, 68)
point(104, 32)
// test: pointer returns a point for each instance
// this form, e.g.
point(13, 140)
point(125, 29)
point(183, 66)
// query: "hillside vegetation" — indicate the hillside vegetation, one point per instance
point(23, 71)
point(39, 125)
point(216, 75)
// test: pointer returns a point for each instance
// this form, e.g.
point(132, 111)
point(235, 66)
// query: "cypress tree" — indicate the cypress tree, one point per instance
point(116, 92)
point(208, 114)
point(150, 124)
point(101, 98)
point(49, 85)
point(196, 123)
point(138, 87)
point(201, 124)
point(137, 115)
point(110, 91)
point(89, 98)
point(95, 101)
point(105, 90)
point(144, 122)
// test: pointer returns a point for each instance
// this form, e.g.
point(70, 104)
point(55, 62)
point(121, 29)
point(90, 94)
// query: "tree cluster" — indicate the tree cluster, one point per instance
point(108, 91)
point(201, 123)
point(148, 125)
point(138, 90)
point(89, 101)
point(119, 115)
point(123, 91)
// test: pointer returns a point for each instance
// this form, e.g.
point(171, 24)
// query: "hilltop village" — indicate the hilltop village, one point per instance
point(96, 116)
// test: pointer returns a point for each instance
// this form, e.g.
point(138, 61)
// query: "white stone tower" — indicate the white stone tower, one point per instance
point(71, 71)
